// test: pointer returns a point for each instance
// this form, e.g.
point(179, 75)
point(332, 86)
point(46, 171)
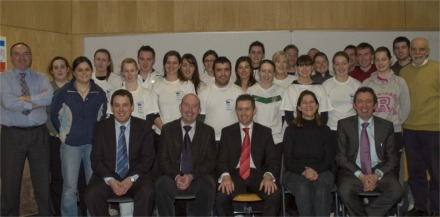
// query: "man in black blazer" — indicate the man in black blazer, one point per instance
point(378, 171)
point(106, 181)
point(242, 171)
point(187, 166)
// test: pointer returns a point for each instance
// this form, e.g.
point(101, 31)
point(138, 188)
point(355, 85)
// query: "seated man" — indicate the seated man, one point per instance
point(187, 156)
point(255, 169)
point(366, 158)
point(122, 155)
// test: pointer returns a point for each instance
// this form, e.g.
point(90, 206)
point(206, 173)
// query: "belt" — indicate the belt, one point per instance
point(22, 128)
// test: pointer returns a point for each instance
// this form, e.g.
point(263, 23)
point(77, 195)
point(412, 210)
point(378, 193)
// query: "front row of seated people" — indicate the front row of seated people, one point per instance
point(245, 160)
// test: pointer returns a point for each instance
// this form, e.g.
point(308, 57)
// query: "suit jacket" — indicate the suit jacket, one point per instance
point(203, 149)
point(141, 148)
point(348, 144)
point(262, 150)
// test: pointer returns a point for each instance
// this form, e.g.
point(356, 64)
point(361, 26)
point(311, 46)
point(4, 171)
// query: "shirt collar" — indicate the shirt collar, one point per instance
point(119, 124)
point(250, 126)
point(193, 124)
point(424, 62)
point(370, 121)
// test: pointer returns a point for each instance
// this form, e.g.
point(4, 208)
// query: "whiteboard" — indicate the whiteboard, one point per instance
point(236, 44)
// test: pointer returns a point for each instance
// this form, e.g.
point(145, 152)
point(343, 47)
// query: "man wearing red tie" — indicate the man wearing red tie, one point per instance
point(367, 158)
point(247, 161)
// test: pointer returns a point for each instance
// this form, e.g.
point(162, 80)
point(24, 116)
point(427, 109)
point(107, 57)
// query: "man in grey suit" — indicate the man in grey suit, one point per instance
point(366, 158)
point(247, 161)
point(118, 136)
point(187, 157)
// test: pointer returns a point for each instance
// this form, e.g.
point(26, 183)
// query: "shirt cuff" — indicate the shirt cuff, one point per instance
point(135, 177)
point(269, 174)
point(27, 106)
point(357, 173)
point(379, 171)
point(107, 179)
point(221, 177)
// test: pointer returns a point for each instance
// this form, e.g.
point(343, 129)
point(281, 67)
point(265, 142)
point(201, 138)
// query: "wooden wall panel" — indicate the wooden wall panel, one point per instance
point(44, 45)
point(53, 16)
point(155, 16)
point(422, 15)
point(347, 15)
point(231, 15)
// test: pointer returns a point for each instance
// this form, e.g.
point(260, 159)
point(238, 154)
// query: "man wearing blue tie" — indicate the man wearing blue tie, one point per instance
point(367, 158)
point(122, 157)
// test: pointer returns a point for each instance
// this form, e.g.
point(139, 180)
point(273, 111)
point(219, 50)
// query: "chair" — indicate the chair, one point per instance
point(125, 205)
point(247, 198)
point(369, 194)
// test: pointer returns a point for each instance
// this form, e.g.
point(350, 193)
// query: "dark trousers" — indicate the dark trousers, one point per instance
point(56, 178)
point(349, 186)
point(422, 154)
point(223, 202)
point(17, 144)
point(97, 193)
point(203, 188)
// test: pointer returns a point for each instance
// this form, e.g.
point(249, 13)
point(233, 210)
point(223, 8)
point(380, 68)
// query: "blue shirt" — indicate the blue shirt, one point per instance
point(373, 153)
point(11, 108)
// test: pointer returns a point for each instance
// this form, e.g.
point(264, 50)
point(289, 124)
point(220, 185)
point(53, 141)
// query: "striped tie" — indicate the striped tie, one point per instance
point(24, 90)
point(121, 156)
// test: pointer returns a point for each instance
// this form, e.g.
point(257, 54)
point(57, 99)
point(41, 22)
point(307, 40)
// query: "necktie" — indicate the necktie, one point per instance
point(365, 150)
point(245, 159)
point(186, 165)
point(24, 90)
point(121, 156)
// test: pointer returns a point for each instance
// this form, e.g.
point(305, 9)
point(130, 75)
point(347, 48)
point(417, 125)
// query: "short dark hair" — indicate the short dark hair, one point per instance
point(304, 60)
point(257, 44)
point(221, 59)
point(298, 121)
point(245, 97)
point(19, 43)
point(122, 92)
point(340, 54)
point(267, 61)
point(50, 67)
point(364, 45)
point(291, 46)
point(364, 90)
point(350, 46)
point(383, 49)
point(147, 48)
point(209, 52)
point(320, 54)
point(79, 60)
point(401, 39)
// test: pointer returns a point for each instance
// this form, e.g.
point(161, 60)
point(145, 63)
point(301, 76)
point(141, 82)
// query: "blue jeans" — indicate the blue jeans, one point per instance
point(71, 157)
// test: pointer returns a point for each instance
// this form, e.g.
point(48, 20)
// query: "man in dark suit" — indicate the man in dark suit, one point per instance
point(367, 158)
point(186, 157)
point(247, 162)
point(122, 156)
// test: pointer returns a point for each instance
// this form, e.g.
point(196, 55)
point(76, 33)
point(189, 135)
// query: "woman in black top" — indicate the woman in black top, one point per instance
point(308, 158)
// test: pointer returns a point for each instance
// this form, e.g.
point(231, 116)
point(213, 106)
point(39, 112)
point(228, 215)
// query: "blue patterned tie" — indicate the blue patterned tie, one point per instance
point(121, 156)
point(186, 165)
point(24, 90)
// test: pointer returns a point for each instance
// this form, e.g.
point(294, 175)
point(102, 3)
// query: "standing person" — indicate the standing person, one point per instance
point(187, 159)
point(255, 169)
point(256, 54)
point(146, 58)
point(350, 50)
point(308, 159)
point(304, 82)
point(59, 68)
point(190, 70)
point(243, 72)
point(103, 75)
point(401, 46)
point(292, 52)
point(364, 56)
point(312, 52)
point(208, 62)
point(268, 96)
point(320, 63)
point(366, 158)
point(121, 159)
point(218, 99)
point(421, 128)
point(281, 76)
point(75, 108)
point(24, 95)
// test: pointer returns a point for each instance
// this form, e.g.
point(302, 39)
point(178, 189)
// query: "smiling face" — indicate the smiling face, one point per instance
point(101, 61)
point(321, 64)
point(21, 57)
point(190, 108)
point(292, 56)
point(129, 72)
point(281, 65)
point(364, 105)
point(244, 70)
point(146, 61)
point(59, 70)
point(419, 50)
point(122, 108)
point(364, 57)
point(266, 73)
point(382, 61)
point(341, 66)
point(352, 56)
point(401, 50)
point(83, 72)
point(172, 65)
point(256, 54)
point(245, 111)
point(222, 73)
point(308, 107)
point(208, 62)
point(188, 69)
point(304, 70)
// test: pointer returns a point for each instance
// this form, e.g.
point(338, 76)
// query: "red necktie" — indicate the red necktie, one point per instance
point(245, 159)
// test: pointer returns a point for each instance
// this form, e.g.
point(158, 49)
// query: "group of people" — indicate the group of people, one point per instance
point(215, 134)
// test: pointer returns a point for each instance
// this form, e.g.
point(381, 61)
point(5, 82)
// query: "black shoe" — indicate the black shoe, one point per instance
point(416, 212)
point(434, 214)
